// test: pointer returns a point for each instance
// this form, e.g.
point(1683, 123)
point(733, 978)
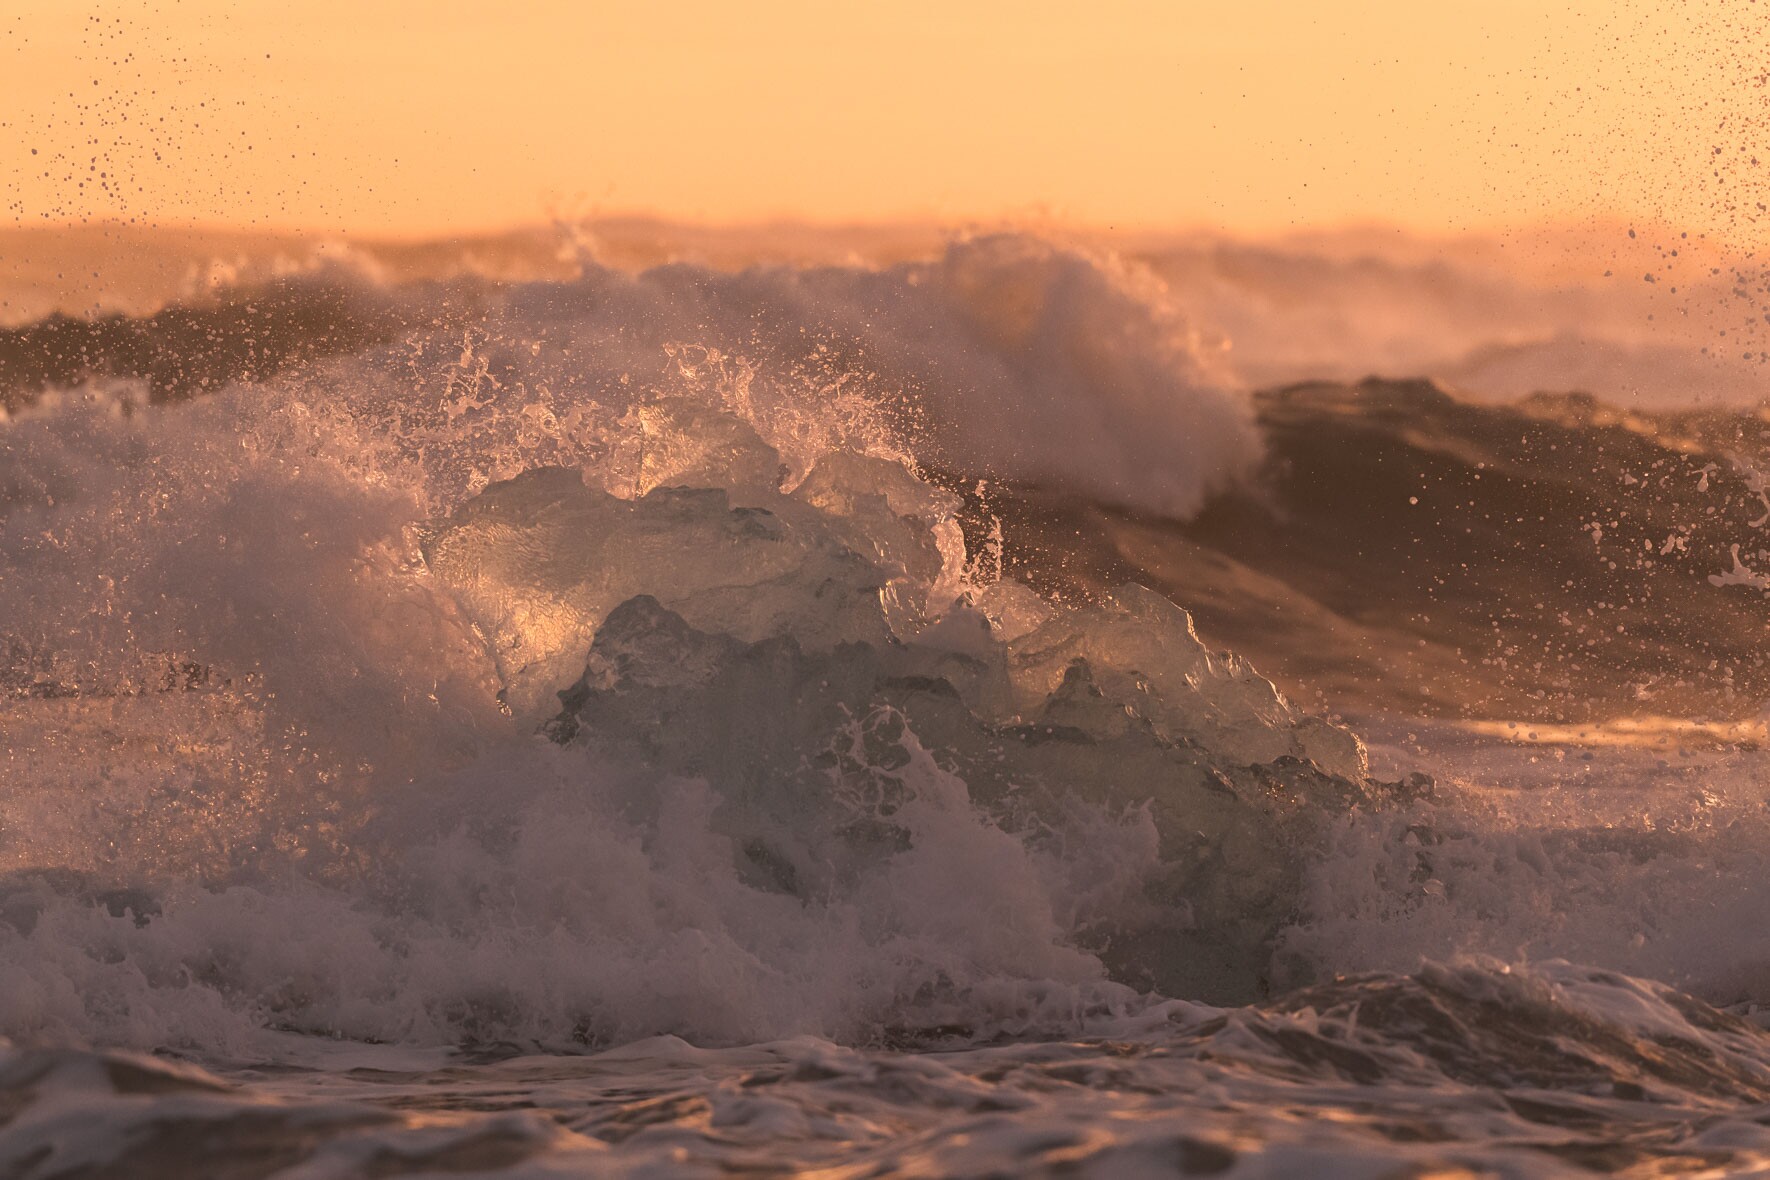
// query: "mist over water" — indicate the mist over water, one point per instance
point(469, 671)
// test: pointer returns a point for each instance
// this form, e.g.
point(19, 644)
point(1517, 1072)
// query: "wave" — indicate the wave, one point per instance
point(988, 348)
point(740, 828)
point(1531, 1072)
point(679, 653)
point(1405, 551)
point(1648, 320)
point(189, 349)
point(370, 579)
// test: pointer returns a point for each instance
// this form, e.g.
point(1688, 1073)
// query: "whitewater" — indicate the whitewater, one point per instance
point(684, 720)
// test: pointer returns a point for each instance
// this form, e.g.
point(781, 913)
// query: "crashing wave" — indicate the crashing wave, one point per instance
point(284, 660)
point(801, 718)
point(793, 652)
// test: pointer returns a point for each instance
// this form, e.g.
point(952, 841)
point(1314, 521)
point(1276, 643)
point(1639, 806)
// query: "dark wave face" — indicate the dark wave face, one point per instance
point(1405, 551)
point(184, 351)
point(884, 714)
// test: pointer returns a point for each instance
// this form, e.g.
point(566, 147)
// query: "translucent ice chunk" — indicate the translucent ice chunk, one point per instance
point(1146, 657)
point(819, 755)
point(539, 560)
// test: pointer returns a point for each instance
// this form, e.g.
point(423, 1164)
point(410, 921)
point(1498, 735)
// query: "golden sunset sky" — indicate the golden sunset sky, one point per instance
point(450, 115)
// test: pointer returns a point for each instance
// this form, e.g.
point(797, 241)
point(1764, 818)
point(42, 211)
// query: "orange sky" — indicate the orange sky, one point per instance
point(384, 116)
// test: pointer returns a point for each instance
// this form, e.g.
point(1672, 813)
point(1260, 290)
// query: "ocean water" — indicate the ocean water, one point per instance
point(992, 706)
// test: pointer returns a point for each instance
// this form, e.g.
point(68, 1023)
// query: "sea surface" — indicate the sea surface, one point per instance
point(655, 701)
